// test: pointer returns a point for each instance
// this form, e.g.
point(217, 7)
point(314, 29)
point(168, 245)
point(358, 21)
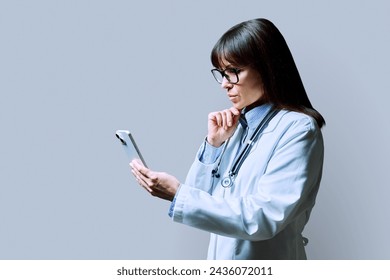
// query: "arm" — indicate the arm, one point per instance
point(165, 186)
point(287, 188)
point(221, 126)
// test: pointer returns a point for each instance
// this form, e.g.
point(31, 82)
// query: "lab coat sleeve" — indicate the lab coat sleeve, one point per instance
point(209, 154)
point(200, 172)
point(286, 189)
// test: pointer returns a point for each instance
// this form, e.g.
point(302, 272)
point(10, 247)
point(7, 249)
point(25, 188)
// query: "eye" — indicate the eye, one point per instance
point(233, 71)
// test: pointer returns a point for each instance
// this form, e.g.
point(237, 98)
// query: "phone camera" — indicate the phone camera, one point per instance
point(122, 141)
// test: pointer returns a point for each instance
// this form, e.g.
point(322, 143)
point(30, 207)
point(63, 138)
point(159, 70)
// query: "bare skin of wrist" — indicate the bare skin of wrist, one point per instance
point(214, 143)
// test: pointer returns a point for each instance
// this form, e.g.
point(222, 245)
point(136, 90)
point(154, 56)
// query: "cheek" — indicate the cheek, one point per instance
point(256, 90)
point(251, 94)
point(259, 94)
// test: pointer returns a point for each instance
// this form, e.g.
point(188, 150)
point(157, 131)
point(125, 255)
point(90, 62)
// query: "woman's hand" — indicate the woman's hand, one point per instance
point(221, 125)
point(158, 184)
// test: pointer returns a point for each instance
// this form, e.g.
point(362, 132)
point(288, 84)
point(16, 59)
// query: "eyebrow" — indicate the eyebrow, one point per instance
point(229, 66)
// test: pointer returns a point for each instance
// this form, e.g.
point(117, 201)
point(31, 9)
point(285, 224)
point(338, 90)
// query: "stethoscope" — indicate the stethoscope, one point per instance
point(228, 181)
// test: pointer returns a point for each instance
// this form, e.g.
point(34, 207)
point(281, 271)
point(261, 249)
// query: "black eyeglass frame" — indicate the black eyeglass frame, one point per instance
point(235, 71)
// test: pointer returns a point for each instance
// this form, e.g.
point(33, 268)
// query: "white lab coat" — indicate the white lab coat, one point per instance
point(264, 213)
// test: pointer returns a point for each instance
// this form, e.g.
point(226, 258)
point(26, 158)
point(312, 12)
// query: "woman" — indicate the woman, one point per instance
point(255, 178)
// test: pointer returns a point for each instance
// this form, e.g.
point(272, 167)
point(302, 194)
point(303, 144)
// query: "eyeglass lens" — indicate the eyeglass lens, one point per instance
point(230, 74)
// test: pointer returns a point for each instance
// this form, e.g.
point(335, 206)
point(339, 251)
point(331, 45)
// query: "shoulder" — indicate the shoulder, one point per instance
point(295, 121)
point(288, 125)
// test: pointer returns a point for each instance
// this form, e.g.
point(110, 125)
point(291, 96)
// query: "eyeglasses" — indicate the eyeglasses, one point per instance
point(231, 74)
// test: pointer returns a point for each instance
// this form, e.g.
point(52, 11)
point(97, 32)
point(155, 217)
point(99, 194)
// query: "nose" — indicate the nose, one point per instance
point(226, 84)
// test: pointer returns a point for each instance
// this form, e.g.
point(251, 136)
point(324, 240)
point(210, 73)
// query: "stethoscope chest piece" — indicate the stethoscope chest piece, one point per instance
point(227, 182)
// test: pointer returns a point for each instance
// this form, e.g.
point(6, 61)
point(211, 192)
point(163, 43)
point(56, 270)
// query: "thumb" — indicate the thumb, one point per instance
point(236, 117)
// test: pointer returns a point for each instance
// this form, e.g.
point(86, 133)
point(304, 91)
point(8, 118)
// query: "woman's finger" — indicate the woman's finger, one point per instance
point(140, 167)
point(235, 111)
point(223, 119)
point(142, 173)
point(141, 181)
point(218, 118)
point(145, 174)
point(229, 118)
point(235, 115)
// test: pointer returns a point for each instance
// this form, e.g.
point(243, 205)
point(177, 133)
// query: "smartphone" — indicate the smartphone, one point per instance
point(129, 145)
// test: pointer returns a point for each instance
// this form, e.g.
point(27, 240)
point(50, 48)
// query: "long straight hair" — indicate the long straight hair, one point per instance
point(259, 44)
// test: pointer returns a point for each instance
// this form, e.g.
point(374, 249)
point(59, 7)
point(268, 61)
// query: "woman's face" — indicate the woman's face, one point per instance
point(248, 90)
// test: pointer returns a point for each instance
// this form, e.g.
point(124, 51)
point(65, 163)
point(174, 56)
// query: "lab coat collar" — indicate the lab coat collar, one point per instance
point(252, 117)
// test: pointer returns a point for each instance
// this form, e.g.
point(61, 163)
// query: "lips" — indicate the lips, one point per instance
point(231, 94)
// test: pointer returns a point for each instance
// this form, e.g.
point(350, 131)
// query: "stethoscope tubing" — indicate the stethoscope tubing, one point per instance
point(229, 180)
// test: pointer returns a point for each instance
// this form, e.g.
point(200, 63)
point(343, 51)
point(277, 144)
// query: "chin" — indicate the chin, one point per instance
point(238, 106)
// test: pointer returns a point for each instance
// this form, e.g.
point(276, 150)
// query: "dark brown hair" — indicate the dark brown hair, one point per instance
point(260, 44)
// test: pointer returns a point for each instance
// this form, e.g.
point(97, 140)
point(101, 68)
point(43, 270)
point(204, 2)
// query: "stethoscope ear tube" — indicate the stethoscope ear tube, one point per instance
point(215, 172)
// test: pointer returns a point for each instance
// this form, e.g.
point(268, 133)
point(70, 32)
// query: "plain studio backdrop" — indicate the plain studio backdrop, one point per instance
point(73, 72)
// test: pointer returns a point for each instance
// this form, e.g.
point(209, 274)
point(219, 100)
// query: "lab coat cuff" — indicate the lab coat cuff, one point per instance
point(209, 154)
point(172, 206)
point(180, 201)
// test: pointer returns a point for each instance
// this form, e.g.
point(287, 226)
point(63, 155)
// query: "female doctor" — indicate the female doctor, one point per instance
point(255, 178)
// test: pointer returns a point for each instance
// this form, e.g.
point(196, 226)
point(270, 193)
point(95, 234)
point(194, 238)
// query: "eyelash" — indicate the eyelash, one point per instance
point(235, 70)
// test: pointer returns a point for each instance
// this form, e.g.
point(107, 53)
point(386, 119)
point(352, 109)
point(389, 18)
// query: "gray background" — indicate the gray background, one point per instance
point(72, 72)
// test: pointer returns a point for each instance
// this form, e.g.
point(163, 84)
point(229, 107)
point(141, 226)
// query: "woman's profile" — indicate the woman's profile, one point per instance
point(255, 178)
